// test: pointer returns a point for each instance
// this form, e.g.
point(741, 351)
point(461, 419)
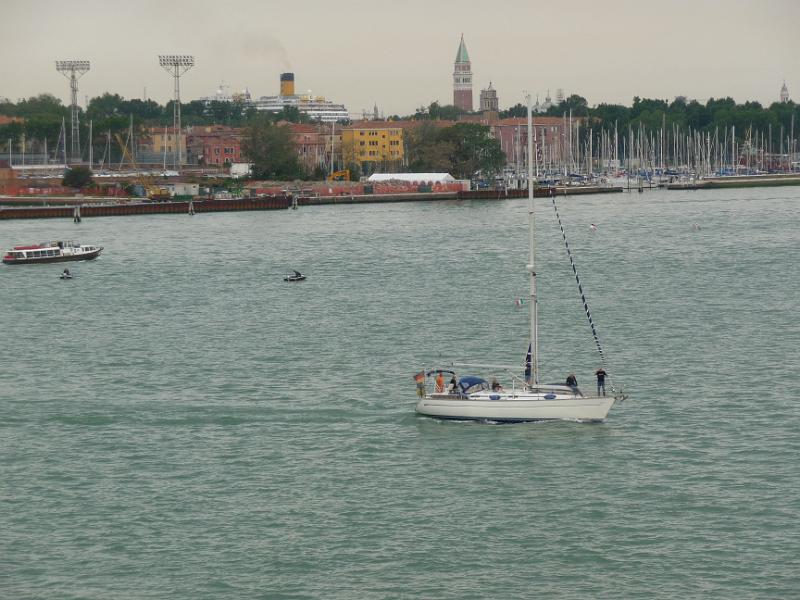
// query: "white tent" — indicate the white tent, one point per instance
point(412, 177)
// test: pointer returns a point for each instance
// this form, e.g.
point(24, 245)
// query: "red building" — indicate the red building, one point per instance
point(215, 144)
point(548, 135)
point(312, 144)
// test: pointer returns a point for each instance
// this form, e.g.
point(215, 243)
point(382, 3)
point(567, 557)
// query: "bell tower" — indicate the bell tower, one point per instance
point(462, 79)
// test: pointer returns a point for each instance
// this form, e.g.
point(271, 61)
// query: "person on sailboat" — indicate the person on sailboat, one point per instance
point(439, 382)
point(452, 387)
point(496, 387)
point(601, 380)
point(572, 382)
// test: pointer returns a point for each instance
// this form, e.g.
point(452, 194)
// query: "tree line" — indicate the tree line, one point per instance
point(680, 113)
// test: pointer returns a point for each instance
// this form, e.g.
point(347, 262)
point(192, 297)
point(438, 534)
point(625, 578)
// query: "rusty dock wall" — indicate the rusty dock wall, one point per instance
point(60, 208)
point(146, 208)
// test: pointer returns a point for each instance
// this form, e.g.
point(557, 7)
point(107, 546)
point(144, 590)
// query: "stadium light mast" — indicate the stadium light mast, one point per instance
point(176, 65)
point(73, 70)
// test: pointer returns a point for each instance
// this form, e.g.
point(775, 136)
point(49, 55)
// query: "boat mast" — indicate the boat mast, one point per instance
point(531, 256)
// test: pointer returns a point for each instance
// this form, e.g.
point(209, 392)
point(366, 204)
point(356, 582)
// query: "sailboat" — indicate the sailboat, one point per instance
point(527, 398)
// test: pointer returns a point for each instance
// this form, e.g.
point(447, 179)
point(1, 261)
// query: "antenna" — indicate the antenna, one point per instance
point(73, 70)
point(176, 65)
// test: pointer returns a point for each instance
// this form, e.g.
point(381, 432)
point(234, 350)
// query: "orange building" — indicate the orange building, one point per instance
point(215, 144)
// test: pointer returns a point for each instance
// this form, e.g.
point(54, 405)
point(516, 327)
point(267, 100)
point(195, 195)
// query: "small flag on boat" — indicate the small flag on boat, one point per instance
point(519, 302)
point(419, 377)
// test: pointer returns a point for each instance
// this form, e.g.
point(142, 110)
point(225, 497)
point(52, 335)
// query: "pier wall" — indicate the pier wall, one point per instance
point(63, 208)
point(146, 208)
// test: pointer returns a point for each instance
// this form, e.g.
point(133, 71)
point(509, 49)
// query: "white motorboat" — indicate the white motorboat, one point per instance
point(48, 252)
point(527, 398)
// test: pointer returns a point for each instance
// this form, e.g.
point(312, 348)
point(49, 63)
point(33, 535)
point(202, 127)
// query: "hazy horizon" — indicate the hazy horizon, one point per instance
point(402, 58)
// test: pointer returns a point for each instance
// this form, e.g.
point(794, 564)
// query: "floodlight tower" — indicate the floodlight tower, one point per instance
point(176, 65)
point(72, 70)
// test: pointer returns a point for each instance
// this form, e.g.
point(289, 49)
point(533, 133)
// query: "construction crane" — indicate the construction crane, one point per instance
point(149, 189)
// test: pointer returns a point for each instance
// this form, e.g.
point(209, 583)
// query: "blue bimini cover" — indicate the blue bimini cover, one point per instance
point(465, 383)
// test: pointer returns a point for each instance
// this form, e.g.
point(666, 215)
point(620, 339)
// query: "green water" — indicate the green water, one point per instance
point(178, 422)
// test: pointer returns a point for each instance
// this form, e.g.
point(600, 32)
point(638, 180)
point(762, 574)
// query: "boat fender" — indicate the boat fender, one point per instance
point(549, 396)
point(494, 397)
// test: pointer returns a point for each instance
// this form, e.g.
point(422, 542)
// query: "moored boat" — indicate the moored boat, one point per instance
point(49, 252)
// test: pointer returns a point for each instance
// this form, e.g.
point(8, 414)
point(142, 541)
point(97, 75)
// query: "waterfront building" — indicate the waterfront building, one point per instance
point(7, 178)
point(160, 145)
point(373, 145)
point(548, 133)
point(311, 143)
point(215, 145)
point(784, 93)
point(462, 78)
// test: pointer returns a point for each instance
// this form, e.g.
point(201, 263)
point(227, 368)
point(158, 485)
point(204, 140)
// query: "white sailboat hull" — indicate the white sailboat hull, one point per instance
point(517, 407)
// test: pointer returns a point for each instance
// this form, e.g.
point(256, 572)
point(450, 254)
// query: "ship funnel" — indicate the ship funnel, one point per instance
point(287, 84)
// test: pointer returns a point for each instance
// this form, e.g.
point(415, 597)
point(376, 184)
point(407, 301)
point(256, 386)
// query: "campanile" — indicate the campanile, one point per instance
point(462, 79)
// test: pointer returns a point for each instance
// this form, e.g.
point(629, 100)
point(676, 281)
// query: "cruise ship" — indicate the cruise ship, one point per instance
point(316, 107)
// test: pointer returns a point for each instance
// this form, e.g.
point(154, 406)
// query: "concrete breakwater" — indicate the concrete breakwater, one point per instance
point(743, 181)
point(43, 208)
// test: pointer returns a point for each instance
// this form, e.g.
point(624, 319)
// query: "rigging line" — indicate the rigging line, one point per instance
point(583, 296)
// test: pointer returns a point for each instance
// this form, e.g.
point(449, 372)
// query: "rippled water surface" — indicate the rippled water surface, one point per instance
point(179, 422)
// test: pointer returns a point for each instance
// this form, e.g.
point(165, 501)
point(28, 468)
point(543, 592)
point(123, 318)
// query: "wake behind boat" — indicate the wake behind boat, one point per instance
point(527, 398)
point(49, 252)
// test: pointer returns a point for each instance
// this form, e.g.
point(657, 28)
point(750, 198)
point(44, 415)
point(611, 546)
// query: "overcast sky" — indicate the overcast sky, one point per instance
point(400, 54)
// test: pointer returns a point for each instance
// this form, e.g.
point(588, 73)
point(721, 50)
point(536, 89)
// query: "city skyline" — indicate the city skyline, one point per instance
point(402, 61)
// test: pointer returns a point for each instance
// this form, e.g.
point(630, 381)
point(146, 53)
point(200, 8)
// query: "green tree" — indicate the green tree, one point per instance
point(575, 103)
point(271, 150)
point(475, 150)
point(77, 177)
point(462, 150)
point(518, 110)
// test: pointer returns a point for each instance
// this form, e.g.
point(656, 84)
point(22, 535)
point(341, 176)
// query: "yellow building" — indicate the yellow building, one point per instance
point(373, 145)
point(163, 141)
